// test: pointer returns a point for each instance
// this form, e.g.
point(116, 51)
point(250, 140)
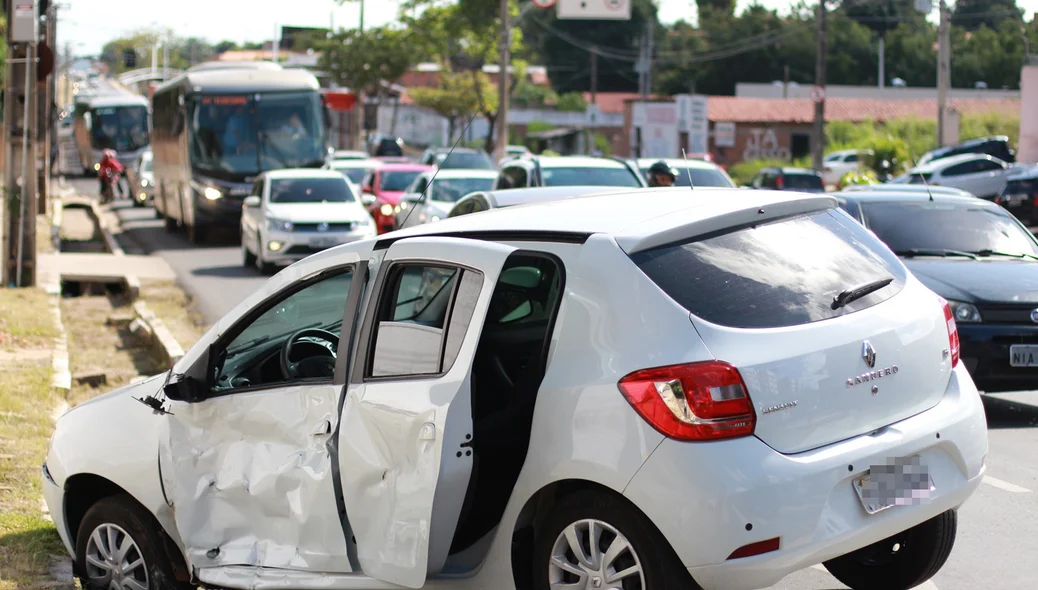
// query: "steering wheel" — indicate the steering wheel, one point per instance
point(318, 366)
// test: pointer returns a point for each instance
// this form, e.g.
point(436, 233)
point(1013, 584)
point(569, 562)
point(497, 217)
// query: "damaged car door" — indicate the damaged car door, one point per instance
point(406, 435)
point(246, 463)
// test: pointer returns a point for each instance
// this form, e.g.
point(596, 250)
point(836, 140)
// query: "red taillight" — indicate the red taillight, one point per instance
point(692, 402)
point(780, 182)
point(953, 331)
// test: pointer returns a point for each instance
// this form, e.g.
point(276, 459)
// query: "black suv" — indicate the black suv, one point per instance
point(789, 179)
point(997, 146)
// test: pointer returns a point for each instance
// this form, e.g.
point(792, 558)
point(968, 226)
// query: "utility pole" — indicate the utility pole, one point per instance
point(818, 141)
point(882, 60)
point(361, 27)
point(594, 74)
point(650, 49)
point(943, 72)
point(501, 145)
point(785, 81)
point(20, 175)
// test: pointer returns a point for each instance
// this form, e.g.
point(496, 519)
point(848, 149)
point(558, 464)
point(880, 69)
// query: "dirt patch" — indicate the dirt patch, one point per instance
point(28, 541)
point(94, 346)
point(176, 309)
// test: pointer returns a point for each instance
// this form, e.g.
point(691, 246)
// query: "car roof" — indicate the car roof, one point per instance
point(303, 173)
point(791, 170)
point(911, 197)
point(1024, 173)
point(524, 196)
point(358, 163)
point(677, 163)
point(908, 188)
point(405, 167)
point(455, 173)
point(934, 165)
point(638, 219)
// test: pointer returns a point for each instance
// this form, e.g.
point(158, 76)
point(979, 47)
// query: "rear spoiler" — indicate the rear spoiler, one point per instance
point(701, 220)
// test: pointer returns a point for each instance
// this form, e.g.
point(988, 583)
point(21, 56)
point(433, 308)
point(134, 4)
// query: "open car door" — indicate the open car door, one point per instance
point(405, 452)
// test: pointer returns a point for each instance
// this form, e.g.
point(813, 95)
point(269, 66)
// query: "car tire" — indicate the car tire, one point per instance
point(135, 534)
point(905, 560)
point(248, 259)
point(616, 521)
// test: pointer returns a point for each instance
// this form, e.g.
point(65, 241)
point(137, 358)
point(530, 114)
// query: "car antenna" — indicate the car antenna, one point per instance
point(429, 186)
point(922, 175)
point(688, 172)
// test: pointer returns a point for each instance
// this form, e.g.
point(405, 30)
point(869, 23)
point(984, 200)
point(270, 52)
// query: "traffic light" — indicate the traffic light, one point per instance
point(129, 58)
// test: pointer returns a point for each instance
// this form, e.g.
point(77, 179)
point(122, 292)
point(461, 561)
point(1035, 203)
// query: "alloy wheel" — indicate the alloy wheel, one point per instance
point(114, 561)
point(592, 555)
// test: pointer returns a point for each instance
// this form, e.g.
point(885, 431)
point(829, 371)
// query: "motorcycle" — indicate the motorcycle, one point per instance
point(108, 188)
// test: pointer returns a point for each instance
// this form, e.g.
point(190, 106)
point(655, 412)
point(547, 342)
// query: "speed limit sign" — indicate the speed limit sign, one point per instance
point(544, 3)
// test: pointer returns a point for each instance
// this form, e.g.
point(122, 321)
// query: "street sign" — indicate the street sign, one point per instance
point(544, 3)
point(594, 9)
point(724, 134)
point(698, 124)
point(818, 94)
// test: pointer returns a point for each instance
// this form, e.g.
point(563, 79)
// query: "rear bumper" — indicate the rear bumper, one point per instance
point(710, 499)
point(985, 353)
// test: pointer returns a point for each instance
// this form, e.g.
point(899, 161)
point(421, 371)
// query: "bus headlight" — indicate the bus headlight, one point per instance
point(212, 194)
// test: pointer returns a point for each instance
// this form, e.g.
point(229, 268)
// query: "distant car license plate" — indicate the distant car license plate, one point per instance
point(323, 242)
point(902, 483)
point(1023, 355)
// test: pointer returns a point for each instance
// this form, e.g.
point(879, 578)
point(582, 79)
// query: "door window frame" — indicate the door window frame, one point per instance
point(368, 334)
point(263, 307)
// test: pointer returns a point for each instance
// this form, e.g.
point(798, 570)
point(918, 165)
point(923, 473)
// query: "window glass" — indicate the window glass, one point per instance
point(960, 169)
point(310, 190)
point(398, 180)
point(412, 317)
point(587, 176)
point(779, 274)
point(451, 190)
point(802, 181)
point(940, 225)
point(516, 176)
point(988, 166)
point(851, 158)
point(470, 160)
point(253, 358)
point(704, 177)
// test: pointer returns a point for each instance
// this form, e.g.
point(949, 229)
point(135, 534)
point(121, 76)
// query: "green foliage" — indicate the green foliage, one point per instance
point(539, 127)
point(974, 14)
point(183, 51)
point(859, 177)
point(572, 101)
point(602, 144)
point(362, 59)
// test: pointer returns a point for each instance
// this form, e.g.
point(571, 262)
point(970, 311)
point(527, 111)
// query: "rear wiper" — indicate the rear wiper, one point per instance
point(934, 252)
point(855, 293)
point(989, 252)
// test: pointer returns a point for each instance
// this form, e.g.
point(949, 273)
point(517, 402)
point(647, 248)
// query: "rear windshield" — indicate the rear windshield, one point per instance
point(354, 173)
point(465, 160)
point(451, 190)
point(783, 273)
point(704, 177)
point(398, 181)
point(310, 190)
point(587, 176)
point(920, 177)
point(947, 226)
point(801, 182)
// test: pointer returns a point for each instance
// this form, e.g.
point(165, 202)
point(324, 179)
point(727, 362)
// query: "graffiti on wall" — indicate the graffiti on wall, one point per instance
point(763, 145)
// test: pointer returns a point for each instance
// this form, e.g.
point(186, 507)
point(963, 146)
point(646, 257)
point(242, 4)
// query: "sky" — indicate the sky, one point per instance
point(89, 24)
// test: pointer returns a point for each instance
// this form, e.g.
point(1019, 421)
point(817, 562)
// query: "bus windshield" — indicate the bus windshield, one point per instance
point(235, 135)
point(121, 128)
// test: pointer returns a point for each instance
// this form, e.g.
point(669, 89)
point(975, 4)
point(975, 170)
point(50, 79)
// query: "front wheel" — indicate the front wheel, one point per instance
point(592, 539)
point(120, 546)
point(248, 259)
point(902, 561)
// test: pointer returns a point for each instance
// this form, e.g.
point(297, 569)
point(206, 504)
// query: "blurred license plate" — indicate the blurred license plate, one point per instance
point(1023, 355)
point(904, 482)
point(323, 242)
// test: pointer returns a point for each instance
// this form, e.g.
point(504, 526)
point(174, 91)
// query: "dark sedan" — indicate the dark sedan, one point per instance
point(982, 260)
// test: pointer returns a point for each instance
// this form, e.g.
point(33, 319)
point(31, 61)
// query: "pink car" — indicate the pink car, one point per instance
point(387, 184)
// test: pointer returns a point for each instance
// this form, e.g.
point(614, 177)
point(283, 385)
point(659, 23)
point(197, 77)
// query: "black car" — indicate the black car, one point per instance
point(997, 146)
point(982, 260)
point(1020, 196)
point(789, 179)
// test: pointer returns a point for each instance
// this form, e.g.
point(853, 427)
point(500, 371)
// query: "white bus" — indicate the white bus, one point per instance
point(111, 120)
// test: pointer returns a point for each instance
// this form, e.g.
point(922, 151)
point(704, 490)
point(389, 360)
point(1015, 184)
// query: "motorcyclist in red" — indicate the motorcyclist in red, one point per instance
point(110, 171)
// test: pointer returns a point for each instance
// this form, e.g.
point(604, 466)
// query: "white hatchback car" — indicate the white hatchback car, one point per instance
point(292, 214)
point(636, 391)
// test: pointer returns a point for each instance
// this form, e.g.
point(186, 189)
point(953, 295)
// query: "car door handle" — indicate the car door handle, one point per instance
point(325, 427)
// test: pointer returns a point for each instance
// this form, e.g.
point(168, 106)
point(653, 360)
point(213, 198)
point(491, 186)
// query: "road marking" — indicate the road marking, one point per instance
point(928, 585)
point(1005, 485)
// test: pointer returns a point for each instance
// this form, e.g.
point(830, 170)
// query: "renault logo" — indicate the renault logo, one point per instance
point(1034, 315)
point(869, 354)
point(322, 227)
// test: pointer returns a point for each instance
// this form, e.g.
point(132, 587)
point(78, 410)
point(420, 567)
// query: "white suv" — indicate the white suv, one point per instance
point(621, 391)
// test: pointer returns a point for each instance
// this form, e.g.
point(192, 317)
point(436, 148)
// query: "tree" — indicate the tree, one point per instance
point(224, 46)
point(972, 14)
point(720, 7)
point(883, 16)
point(361, 61)
point(453, 98)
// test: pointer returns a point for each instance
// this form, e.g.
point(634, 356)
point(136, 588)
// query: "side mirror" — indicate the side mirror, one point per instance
point(252, 201)
point(184, 389)
point(367, 199)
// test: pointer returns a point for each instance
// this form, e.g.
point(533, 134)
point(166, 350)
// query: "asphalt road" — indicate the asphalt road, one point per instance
point(998, 527)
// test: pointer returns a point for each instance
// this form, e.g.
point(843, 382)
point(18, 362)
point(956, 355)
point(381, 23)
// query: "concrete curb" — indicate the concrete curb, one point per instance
point(130, 282)
point(150, 328)
point(61, 379)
